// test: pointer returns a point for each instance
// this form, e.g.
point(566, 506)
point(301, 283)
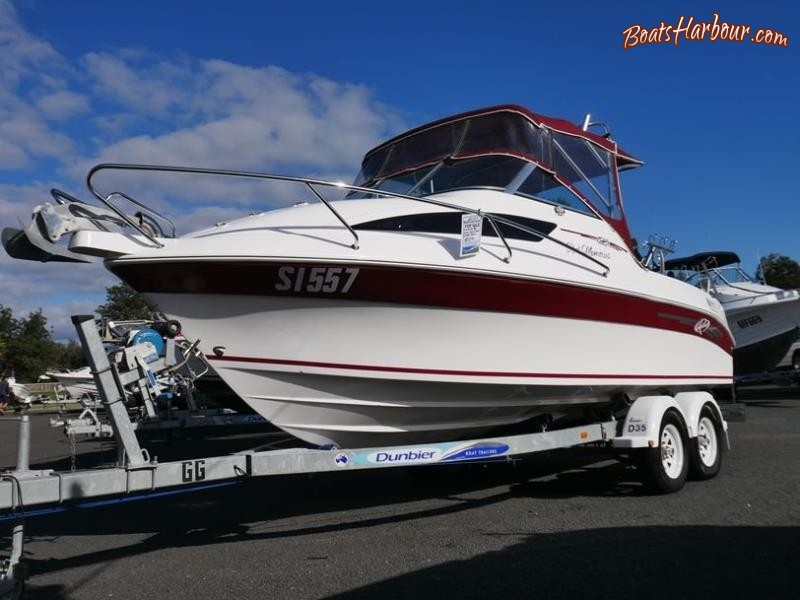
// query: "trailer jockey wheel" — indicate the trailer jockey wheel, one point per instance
point(173, 328)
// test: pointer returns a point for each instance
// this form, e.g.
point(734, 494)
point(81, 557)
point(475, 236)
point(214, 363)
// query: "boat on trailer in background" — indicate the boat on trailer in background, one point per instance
point(478, 274)
point(764, 319)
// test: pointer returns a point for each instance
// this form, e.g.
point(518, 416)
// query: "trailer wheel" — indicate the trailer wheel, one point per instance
point(665, 467)
point(705, 458)
point(14, 593)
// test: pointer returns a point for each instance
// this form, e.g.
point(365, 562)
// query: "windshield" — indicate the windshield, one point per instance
point(498, 172)
point(501, 150)
point(713, 279)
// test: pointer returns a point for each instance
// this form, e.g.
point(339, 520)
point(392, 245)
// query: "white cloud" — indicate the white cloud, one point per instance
point(63, 104)
point(132, 105)
point(12, 156)
point(21, 51)
point(150, 91)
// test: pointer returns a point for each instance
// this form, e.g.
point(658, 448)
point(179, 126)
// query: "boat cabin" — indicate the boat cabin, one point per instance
point(506, 148)
point(708, 270)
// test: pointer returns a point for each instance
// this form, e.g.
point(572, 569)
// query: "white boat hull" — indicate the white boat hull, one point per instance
point(345, 373)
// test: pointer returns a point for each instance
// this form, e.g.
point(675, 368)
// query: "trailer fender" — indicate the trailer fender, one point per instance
point(641, 426)
point(692, 404)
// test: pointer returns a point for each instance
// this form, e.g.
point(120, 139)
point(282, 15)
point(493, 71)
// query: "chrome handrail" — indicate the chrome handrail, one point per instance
point(144, 207)
point(310, 182)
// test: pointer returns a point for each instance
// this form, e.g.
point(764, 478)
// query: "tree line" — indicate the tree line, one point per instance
point(28, 350)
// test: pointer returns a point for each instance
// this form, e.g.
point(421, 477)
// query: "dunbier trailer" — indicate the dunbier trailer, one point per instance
point(672, 438)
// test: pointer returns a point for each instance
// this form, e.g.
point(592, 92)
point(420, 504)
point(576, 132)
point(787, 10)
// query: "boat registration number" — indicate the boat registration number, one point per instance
point(316, 280)
point(749, 321)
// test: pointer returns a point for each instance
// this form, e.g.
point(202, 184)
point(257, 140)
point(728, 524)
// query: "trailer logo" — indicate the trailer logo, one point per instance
point(476, 451)
point(424, 454)
point(341, 459)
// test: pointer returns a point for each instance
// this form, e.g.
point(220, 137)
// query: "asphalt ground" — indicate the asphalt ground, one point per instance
point(564, 524)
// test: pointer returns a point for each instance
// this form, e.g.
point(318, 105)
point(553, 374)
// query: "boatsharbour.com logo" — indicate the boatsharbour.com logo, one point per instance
point(693, 30)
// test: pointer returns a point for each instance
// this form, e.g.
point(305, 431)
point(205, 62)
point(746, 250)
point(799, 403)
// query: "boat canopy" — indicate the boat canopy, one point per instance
point(510, 148)
point(702, 261)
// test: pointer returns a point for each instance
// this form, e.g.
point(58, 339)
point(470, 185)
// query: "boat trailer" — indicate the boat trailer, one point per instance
point(672, 435)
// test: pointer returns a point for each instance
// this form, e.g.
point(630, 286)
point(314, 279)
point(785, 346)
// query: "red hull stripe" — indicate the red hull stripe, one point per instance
point(416, 286)
point(416, 371)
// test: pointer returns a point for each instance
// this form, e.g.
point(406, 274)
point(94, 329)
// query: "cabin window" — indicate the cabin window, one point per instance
point(450, 222)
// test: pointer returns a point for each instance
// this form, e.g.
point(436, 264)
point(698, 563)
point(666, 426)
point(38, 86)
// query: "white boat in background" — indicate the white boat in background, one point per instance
point(22, 394)
point(77, 383)
point(479, 274)
point(764, 319)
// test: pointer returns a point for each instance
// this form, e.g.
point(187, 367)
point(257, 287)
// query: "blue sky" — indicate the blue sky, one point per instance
point(307, 88)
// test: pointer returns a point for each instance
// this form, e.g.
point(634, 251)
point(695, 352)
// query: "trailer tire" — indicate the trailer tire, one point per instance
point(14, 593)
point(705, 455)
point(664, 468)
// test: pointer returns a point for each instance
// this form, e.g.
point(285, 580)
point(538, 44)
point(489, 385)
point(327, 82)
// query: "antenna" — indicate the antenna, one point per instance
point(587, 122)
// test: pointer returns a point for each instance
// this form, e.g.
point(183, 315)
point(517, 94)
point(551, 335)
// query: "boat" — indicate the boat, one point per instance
point(77, 383)
point(21, 394)
point(478, 275)
point(764, 319)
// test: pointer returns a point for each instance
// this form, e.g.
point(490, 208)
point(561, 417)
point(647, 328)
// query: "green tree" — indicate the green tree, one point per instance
point(780, 271)
point(7, 325)
point(30, 349)
point(123, 303)
point(71, 355)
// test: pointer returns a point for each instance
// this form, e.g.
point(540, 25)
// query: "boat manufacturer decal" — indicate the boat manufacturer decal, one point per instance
point(316, 280)
point(702, 327)
point(422, 454)
point(476, 451)
point(590, 250)
point(342, 459)
point(749, 321)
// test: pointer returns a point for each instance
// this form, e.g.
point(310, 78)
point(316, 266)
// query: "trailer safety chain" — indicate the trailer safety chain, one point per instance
point(73, 453)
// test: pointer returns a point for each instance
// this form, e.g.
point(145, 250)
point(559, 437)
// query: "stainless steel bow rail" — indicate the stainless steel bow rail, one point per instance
point(312, 185)
point(26, 493)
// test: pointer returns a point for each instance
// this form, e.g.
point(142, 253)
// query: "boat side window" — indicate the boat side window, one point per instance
point(450, 222)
